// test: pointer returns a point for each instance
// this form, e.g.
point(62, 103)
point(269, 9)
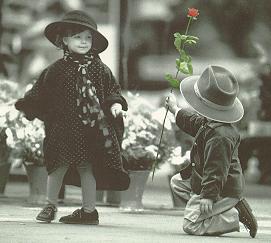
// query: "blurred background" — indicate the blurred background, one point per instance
point(232, 33)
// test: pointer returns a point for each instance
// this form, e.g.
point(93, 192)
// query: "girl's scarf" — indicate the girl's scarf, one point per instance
point(90, 111)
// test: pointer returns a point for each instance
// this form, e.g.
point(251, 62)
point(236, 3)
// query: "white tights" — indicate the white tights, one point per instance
point(88, 184)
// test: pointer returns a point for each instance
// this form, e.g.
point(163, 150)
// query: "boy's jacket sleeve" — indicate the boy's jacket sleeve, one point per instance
point(34, 103)
point(189, 122)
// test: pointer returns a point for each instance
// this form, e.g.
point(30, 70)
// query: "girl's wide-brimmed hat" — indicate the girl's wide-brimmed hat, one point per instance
point(71, 19)
point(213, 94)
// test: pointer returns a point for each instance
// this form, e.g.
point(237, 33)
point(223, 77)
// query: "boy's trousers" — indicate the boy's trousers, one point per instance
point(223, 218)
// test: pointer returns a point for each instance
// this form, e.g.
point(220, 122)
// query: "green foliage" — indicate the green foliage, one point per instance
point(184, 62)
point(175, 83)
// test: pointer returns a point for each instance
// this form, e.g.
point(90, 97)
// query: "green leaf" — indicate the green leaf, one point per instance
point(183, 67)
point(182, 53)
point(190, 42)
point(177, 63)
point(190, 68)
point(177, 34)
point(183, 37)
point(178, 43)
point(191, 37)
point(175, 83)
point(189, 58)
point(184, 57)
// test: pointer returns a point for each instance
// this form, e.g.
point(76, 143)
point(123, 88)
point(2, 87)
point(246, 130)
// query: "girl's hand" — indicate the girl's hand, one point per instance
point(116, 110)
point(171, 103)
point(206, 205)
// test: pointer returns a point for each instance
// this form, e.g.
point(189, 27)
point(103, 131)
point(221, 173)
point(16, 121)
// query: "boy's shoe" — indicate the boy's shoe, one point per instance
point(246, 217)
point(47, 214)
point(81, 217)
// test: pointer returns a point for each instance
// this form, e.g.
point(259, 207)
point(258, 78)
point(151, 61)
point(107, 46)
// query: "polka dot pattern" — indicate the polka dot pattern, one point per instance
point(54, 100)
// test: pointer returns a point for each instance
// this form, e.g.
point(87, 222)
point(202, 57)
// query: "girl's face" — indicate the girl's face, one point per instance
point(79, 43)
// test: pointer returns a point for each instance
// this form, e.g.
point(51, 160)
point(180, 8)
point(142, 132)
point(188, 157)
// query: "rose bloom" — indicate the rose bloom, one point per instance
point(193, 12)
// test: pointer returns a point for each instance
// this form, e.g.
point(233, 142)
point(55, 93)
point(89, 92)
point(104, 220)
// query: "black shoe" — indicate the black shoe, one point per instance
point(47, 214)
point(81, 217)
point(246, 217)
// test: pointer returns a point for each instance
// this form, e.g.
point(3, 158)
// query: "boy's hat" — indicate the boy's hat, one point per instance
point(213, 94)
point(73, 18)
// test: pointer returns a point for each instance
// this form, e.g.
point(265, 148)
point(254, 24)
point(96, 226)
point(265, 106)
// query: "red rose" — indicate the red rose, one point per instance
point(193, 12)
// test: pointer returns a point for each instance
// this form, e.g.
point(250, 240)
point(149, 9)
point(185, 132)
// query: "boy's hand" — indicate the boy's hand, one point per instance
point(206, 205)
point(116, 110)
point(171, 103)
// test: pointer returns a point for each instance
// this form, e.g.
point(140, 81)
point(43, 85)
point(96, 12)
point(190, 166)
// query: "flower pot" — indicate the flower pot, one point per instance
point(37, 178)
point(113, 198)
point(99, 196)
point(131, 199)
point(110, 198)
point(4, 174)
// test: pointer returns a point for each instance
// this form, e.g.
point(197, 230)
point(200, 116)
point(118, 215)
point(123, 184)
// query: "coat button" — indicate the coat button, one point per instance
point(193, 164)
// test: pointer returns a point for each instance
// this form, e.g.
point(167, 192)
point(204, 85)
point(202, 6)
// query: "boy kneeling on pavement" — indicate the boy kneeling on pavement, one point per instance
point(212, 182)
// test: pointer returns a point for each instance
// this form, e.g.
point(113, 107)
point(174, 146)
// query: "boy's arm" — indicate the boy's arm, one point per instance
point(189, 122)
point(185, 120)
point(217, 157)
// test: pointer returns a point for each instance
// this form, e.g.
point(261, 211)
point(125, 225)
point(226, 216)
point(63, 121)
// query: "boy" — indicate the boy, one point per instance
point(213, 189)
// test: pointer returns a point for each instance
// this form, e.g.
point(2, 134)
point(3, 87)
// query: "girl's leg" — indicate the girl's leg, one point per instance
point(88, 184)
point(54, 183)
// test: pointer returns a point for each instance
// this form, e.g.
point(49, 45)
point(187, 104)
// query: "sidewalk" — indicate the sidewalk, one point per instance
point(158, 222)
point(156, 195)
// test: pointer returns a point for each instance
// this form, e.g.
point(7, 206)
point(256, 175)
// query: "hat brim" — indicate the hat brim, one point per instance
point(52, 30)
point(227, 116)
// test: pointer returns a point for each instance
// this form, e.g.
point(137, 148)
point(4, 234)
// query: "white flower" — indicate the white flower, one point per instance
point(152, 149)
point(125, 143)
point(143, 127)
point(13, 114)
point(25, 121)
point(37, 145)
point(3, 121)
point(20, 133)
point(10, 139)
point(177, 151)
point(132, 136)
point(159, 116)
point(178, 160)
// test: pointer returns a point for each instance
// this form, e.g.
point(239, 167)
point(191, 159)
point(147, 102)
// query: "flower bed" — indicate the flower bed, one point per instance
point(141, 136)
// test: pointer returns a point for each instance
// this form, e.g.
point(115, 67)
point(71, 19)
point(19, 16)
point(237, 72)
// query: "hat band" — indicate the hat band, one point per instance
point(208, 102)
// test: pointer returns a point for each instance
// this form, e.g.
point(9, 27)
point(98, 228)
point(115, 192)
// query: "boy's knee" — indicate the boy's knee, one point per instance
point(174, 180)
point(188, 227)
point(193, 228)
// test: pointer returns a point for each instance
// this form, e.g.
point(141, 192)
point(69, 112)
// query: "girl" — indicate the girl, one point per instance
point(81, 105)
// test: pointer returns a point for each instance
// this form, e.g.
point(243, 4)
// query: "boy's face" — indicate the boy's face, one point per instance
point(79, 43)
